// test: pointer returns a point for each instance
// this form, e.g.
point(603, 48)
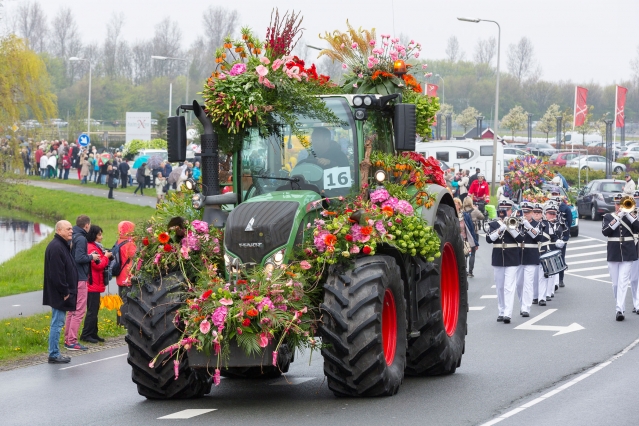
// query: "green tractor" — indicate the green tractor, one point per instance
point(389, 315)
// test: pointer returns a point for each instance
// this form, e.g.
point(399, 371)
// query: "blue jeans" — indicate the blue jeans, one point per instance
point(57, 322)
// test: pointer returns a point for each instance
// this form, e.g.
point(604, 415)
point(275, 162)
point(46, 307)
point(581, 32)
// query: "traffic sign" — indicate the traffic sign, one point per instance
point(84, 140)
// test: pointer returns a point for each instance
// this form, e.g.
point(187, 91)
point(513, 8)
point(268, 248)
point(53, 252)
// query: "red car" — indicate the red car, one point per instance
point(561, 158)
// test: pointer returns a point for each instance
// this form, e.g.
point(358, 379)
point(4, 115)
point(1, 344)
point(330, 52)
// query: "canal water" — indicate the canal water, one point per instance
point(17, 235)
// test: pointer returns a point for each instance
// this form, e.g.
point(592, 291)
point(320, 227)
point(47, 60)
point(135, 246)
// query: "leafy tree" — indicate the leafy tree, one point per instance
point(548, 122)
point(515, 120)
point(467, 118)
point(566, 123)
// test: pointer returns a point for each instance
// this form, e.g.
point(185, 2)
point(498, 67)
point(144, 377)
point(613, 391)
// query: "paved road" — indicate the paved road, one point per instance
point(509, 374)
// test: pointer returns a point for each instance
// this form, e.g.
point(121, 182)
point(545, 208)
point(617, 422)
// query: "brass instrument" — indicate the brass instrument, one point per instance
point(513, 222)
point(627, 204)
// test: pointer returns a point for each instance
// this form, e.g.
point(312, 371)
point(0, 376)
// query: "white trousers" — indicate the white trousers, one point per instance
point(544, 284)
point(525, 285)
point(536, 282)
point(634, 281)
point(620, 274)
point(505, 283)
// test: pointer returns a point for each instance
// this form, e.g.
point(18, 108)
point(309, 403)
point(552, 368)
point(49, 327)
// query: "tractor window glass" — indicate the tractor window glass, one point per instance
point(322, 158)
point(442, 156)
point(486, 150)
point(463, 155)
point(378, 129)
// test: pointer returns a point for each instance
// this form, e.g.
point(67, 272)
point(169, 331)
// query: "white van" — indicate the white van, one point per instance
point(468, 154)
point(576, 138)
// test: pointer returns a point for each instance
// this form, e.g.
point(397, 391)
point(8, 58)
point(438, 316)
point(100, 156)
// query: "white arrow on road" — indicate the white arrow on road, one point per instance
point(530, 325)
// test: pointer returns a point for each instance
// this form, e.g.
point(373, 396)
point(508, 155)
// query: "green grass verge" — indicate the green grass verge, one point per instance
point(24, 336)
point(25, 271)
point(150, 192)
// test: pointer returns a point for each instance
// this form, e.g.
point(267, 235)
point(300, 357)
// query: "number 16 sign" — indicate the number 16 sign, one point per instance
point(337, 177)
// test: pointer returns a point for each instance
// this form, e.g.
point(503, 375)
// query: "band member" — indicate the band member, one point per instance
point(506, 257)
point(562, 230)
point(566, 214)
point(634, 272)
point(548, 244)
point(620, 228)
point(538, 214)
point(529, 258)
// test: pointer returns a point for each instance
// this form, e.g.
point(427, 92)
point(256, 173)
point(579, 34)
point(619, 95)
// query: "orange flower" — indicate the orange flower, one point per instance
point(388, 211)
point(330, 240)
point(252, 312)
point(164, 238)
point(366, 230)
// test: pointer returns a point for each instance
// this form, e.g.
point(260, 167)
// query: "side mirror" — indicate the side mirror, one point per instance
point(176, 135)
point(405, 127)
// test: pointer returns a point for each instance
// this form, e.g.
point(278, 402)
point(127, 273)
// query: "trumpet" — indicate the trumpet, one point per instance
point(512, 222)
point(627, 204)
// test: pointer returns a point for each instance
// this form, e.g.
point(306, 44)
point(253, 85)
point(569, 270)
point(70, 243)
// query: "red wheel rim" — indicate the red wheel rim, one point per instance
point(450, 289)
point(389, 326)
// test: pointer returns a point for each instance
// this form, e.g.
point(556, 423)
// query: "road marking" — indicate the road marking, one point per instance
point(590, 278)
point(579, 262)
point(577, 241)
point(493, 286)
point(589, 269)
point(594, 277)
point(15, 306)
point(291, 381)
point(586, 254)
point(188, 414)
point(530, 325)
point(91, 362)
point(489, 296)
point(476, 308)
point(585, 247)
point(563, 387)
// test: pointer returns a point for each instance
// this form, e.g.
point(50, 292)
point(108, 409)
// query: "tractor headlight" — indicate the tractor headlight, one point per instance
point(360, 114)
point(269, 267)
point(368, 101)
point(191, 185)
point(276, 259)
point(380, 176)
point(358, 101)
point(232, 264)
point(197, 201)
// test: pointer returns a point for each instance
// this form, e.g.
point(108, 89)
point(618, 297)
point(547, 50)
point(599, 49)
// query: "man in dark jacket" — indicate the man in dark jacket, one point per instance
point(83, 264)
point(60, 285)
point(124, 167)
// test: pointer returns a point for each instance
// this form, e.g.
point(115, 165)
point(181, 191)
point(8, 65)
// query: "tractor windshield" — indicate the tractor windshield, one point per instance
point(323, 160)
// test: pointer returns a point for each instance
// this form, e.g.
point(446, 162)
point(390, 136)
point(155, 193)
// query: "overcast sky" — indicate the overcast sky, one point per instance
point(582, 41)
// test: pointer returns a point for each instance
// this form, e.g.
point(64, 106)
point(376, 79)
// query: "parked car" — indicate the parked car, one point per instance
point(511, 154)
point(561, 158)
point(574, 224)
point(596, 198)
point(594, 162)
point(540, 148)
point(631, 153)
point(521, 146)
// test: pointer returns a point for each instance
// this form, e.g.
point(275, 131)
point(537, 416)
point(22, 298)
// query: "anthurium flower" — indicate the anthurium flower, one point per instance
point(226, 302)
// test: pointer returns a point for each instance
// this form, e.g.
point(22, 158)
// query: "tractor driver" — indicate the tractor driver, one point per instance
point(326, 153)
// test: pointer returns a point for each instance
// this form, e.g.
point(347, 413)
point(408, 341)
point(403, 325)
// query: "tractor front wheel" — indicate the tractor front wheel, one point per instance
point(364, 326)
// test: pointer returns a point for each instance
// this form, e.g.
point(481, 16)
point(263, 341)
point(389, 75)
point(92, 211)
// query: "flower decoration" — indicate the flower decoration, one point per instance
point(528, 173)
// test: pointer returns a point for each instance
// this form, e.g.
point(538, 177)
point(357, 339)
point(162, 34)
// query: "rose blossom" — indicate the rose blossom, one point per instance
point(205, 327)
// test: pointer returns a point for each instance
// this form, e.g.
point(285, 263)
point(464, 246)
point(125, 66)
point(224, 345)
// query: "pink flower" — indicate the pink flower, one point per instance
point(157, 258)
point(185, 252)
point(354, 84)
point(275, 358)
point(354, 249)
point(199, 225)
point(341, 46)
point(370, 65)
point(176, 368)
point(305, 265)
point(238, 69)
point(385, 43)
point(344, 66)
point(139, 264)
point(385, 35)
point(372, 43)
point(239, 330)
point(404, 207)
point(205, 327)
point(360, 75)
point(379, 225)
point(265, 303)
point(219, 316)
point(427, 75)
point(261, 70)
point(416, 55)
point(379, 195)
point(263, 340)
point(152, 364)
point(294, 72)
point(424, 66)
point(276, 64)
point(222, 76)
point(226, 302)
point(216, 377)
point(392, 201)
point(265, 81)
point(265, 60)
point(354, 45)
point(378, 51)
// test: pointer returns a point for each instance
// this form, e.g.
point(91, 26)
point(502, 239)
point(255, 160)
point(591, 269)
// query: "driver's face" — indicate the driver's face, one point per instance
point(320, 142)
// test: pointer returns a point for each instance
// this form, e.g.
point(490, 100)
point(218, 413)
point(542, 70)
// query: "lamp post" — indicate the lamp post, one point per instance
point(529, 127)
point(186, 63)
point(443, 88)
point(496, 124)
point(76, 59)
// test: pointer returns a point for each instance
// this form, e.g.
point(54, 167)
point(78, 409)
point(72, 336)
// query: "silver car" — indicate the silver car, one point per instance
point(594, 162)
point(631, 153)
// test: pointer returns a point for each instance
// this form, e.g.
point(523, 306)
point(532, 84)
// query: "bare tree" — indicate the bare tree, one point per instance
point(485, 50)
point(453, 51)
point(112, 45)
point(64, 41)
point(141, 63)
point(634, 66)
point(166, 42)
point(218, 23)
point(331, 68)
point(31, 24)
point(521, 59)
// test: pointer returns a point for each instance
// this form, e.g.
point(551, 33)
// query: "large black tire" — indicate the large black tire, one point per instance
point(150, 328)
point(360, 359)
point(442, 297)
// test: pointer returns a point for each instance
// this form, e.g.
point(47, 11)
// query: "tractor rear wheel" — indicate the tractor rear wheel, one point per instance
point(364, 322)
point(150, 328)
point(442, 298)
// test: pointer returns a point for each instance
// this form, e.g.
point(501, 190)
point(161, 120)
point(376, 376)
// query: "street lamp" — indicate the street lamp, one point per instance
point(496, 124)
point(186, 62)
point(76, 59)
point(443, 88)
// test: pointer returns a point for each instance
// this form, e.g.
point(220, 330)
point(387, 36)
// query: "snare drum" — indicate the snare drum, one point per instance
point(552, 263)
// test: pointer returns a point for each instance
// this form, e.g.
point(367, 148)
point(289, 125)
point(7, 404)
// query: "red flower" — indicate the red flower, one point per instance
point(241, 282)
point(330, 240)
point(246, 322)
point(349, 237)
point(164, 238)
point(167, 248)
point(247, 297)
point(366, 230)
point(366, 250)
point(145, 241)
point(252, 312)
point(388, 211)
point(206, 294)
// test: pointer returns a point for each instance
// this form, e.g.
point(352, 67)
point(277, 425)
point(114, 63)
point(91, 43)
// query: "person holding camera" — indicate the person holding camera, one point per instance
point(506, 257)
point(97, 284)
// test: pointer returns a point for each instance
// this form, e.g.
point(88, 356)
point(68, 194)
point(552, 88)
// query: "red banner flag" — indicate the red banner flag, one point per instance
point(620, 113)
point(581, 108)
point(431, 90)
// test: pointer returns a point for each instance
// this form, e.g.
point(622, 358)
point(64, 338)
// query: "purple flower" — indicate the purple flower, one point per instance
point(199, 225)
point(379, 225)
point(238, 69)
point(379, 195)
point(404, 207)
point(190, 241)
point(319, 240)
point(392, 201)
point(219, 316)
